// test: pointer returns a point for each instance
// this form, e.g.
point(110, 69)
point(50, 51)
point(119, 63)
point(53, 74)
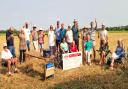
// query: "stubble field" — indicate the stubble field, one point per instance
point(85, 77)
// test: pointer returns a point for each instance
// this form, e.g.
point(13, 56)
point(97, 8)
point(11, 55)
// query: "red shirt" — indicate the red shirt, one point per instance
point(73, 48)
point(41, 38)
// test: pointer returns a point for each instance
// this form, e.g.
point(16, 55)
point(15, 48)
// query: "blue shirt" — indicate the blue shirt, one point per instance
point(119, 50)
point(88, 45)
point(62, 33)
point(57, 33)
point(75, 33)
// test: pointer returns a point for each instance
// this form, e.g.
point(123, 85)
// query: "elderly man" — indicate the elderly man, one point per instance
point(75, 31)
point(27, 35)
point(103, 34)
point(62, 32)
point(93, 30)
point(7, 57)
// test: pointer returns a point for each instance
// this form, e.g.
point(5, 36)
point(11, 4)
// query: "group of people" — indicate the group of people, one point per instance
point(61, 40)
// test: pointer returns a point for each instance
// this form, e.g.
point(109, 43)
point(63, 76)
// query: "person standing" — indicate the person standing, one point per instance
point(103, 34)
point(62, 32)
point(93, 34)
point(41, 40)
point(35, 38)
point(84, 33)
point(69, 36)
point(51, 39)
point(57, 33)
point(27, 35)
point(22, 46)
point(10, 41)
point(88, 49)
point(75, 31)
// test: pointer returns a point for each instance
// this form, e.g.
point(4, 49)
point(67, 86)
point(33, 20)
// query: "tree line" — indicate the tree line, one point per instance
point(119, 28)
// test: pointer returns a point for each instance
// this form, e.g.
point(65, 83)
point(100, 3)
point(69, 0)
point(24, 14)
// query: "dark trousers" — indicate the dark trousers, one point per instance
point(53, 50)
point(22, 55)
point(28, 44)
point(77, 43)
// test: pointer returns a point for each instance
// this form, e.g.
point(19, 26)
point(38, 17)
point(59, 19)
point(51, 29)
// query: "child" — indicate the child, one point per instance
point(88, 49)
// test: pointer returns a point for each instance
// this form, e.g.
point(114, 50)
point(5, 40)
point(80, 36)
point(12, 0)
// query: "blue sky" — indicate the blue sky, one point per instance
point(46, 12)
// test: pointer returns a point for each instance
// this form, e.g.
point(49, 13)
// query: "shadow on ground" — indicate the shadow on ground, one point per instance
point(112, 80)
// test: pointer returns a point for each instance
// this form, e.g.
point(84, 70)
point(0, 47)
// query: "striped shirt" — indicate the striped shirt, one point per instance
point(22, 44)
point(92, 33)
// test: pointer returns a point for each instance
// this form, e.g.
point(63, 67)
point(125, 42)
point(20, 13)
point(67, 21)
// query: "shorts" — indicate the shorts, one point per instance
point(4, 63)
point(41, 46)
point(115, 56)
point(94, 43)
point(35, 44)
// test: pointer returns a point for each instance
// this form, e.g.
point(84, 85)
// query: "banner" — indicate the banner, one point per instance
point(72, 60)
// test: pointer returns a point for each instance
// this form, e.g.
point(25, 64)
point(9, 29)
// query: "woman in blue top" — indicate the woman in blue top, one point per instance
point(88, 45)
point(118, 53)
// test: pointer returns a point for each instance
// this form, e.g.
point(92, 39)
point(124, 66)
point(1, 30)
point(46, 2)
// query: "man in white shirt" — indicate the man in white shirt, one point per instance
point(93, 30)
point(27, 35)
point(69, 36)
point(51, 40)
point(7, 57)
point(103, 34)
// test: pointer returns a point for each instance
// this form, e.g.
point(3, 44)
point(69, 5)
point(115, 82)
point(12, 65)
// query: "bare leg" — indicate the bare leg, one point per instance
point(94, 53)
point(15, 62)
point(9, 65)
point(112, 64)
point(102, 58)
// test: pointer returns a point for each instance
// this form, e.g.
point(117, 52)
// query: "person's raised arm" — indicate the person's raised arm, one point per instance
point(7, 36)
point(95, 24)
point(107, 38)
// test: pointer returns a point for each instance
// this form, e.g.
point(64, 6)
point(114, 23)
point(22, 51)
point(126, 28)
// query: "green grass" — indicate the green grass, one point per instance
point(118, 31)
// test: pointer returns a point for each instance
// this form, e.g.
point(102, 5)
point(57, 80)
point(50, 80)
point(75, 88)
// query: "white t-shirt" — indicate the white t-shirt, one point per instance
point(69, 36)
point(103, 35)
point(27, 33)
point(51, 38)
point(6, 55)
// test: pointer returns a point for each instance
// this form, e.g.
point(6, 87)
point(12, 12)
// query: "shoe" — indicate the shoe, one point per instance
point(16, 70)
point(111, 68)
point(89, 64)
point(9, 73)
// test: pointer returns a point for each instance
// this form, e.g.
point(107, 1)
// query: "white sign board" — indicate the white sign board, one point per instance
point(72, 60)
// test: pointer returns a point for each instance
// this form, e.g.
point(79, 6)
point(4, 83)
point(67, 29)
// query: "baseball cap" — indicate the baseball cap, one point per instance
point(4, 44)
point(40, 29)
